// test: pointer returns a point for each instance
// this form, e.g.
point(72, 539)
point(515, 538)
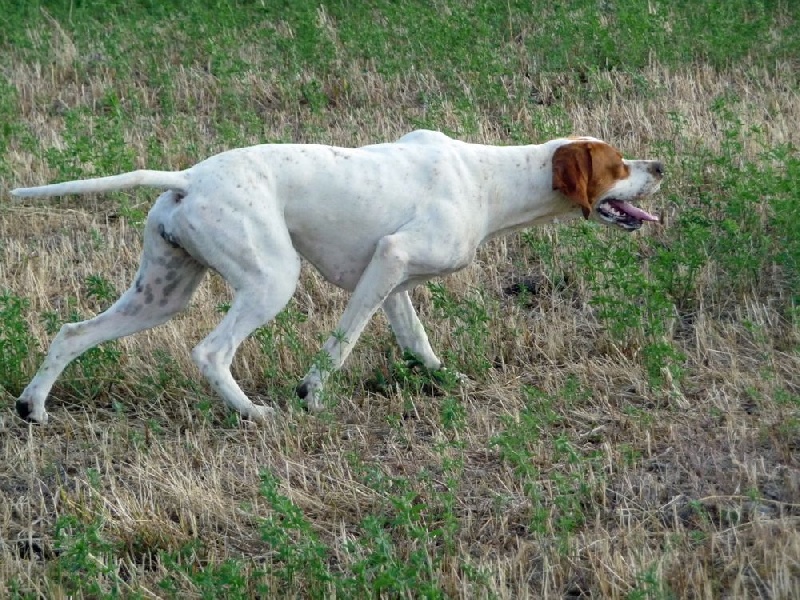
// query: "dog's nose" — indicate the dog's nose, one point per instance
point(657, 169)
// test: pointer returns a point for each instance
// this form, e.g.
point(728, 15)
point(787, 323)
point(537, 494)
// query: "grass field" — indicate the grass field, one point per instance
point(631, 428)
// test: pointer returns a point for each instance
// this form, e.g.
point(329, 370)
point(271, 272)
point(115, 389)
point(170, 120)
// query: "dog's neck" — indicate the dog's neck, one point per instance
point(521, 190)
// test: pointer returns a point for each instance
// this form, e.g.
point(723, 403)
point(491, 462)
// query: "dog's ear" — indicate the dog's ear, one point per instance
point(572, 168)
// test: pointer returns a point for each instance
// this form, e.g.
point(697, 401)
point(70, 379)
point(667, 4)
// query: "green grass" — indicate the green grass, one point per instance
point(630, 428)
point(484, 57)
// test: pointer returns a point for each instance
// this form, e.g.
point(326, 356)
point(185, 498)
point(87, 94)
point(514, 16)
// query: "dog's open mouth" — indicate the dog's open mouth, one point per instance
point(623, 214)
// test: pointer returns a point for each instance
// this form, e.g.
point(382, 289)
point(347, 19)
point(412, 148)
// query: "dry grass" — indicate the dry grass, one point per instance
point(694, 491)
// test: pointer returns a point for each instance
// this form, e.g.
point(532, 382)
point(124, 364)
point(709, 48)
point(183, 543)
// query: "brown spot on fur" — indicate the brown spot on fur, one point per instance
point(175, 261)
point(132, 310)
point(169, 288)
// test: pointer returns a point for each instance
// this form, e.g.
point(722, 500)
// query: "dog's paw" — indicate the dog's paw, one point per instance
point(29, 411)
point(261, 414)
point(451, 375)
point(310, 392)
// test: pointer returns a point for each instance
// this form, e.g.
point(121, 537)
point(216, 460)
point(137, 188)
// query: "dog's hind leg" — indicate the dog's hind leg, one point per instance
point(163, 286)
point(259, 297)
point(257, 259)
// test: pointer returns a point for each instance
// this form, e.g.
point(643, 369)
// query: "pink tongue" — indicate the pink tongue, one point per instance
point(629, 209)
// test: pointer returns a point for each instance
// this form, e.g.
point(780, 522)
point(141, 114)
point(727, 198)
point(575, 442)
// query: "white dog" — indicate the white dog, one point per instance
point(375, 220)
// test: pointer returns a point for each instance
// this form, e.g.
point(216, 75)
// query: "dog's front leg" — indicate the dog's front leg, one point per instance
point(408, 329)
point(411, 335)
point(387, 270)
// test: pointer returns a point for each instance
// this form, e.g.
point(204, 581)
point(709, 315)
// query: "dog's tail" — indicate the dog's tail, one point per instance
point(165, 180)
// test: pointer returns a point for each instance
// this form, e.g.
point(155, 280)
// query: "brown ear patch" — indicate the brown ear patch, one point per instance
point(584, 170)
point(571, 172)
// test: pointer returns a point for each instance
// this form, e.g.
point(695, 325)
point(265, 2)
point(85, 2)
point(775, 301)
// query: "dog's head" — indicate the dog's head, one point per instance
point(594, 176)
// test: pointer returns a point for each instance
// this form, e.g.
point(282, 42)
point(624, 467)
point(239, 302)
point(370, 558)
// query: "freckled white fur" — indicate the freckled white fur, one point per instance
point(375, 220)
